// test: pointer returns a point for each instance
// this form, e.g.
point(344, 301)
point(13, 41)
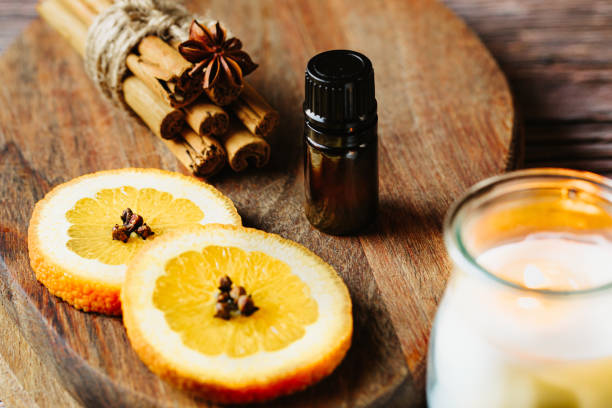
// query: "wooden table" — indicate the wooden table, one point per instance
point(555, 58)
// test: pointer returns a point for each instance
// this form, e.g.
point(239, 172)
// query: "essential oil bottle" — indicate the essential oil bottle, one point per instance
point(340, 142)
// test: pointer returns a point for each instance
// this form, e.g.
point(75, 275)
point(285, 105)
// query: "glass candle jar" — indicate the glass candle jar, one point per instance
point(526, 318)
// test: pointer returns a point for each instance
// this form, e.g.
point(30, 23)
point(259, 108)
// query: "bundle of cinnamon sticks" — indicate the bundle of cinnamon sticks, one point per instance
point(166, 93)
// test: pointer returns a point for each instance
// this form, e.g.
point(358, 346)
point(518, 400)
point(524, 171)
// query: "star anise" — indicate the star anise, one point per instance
point(220, 57)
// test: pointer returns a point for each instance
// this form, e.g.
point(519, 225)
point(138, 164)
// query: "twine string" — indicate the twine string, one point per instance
point(119, 29)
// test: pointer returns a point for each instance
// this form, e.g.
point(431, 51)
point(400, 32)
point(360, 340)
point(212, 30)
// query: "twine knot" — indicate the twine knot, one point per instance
point(119, 29)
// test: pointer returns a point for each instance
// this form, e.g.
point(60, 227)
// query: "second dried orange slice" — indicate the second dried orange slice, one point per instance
point(300, 332)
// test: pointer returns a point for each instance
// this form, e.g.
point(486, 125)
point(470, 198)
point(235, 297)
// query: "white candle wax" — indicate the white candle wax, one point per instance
point(494, 346)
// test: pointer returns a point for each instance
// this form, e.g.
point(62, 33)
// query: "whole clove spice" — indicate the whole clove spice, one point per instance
point(120, 233)
point(223, 297)
point(225, 284)
point(134, 222)
point(246, 305)
point(233, 298)
point(223, 310)
point(126, 215)
point(144, 231)
point(236, 292)
point(131, 223)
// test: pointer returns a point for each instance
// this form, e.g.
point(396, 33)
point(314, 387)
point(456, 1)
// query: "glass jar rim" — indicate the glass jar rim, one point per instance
point(460, 254)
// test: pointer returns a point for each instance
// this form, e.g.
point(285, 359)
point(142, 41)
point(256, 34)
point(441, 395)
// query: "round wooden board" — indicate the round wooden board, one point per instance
point(446, 121)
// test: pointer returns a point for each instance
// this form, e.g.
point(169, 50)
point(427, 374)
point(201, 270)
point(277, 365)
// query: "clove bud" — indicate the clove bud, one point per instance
point(120, 233)
point(126, 215)
point(232, 298)
point(222, 310)
point(144, 231)
point(246, 305)
point(225, 283)
point(131, 223)
point(236, 292)
point(134, 222)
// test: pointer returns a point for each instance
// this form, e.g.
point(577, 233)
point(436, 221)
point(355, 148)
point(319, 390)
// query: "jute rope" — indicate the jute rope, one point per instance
point(116, 31)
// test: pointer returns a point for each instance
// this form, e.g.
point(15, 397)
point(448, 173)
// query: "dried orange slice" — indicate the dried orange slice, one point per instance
point(70, 239)
point(299, 334)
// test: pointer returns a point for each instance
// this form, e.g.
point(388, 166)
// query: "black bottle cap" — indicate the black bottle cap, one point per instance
point(340, 91)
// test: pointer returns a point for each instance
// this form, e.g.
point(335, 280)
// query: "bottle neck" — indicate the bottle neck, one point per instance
point(325, 138)
point(339, 122)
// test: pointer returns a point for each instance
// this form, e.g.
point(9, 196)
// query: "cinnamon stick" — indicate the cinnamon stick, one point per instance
point(168, 72)
point(81, 10)
point(164, 121)
point(98, 5)
point(223, 93)
point(207, 118)
point(153, 76)
point(207, 155)
point(160, 66)
point(244, 148)
point(66, 23)
point(254, 112)
point(155, 51)
point(203, 155)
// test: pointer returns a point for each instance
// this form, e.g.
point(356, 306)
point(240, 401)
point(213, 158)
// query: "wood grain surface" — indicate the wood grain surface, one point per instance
point(446, 121)
point(558, 59)
point(555, 54)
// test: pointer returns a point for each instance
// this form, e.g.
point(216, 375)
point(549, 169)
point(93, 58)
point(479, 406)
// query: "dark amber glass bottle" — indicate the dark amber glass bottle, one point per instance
point(341, 142)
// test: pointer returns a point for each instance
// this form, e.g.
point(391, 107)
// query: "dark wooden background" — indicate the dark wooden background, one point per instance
point(556, 54)
point(558, 58)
